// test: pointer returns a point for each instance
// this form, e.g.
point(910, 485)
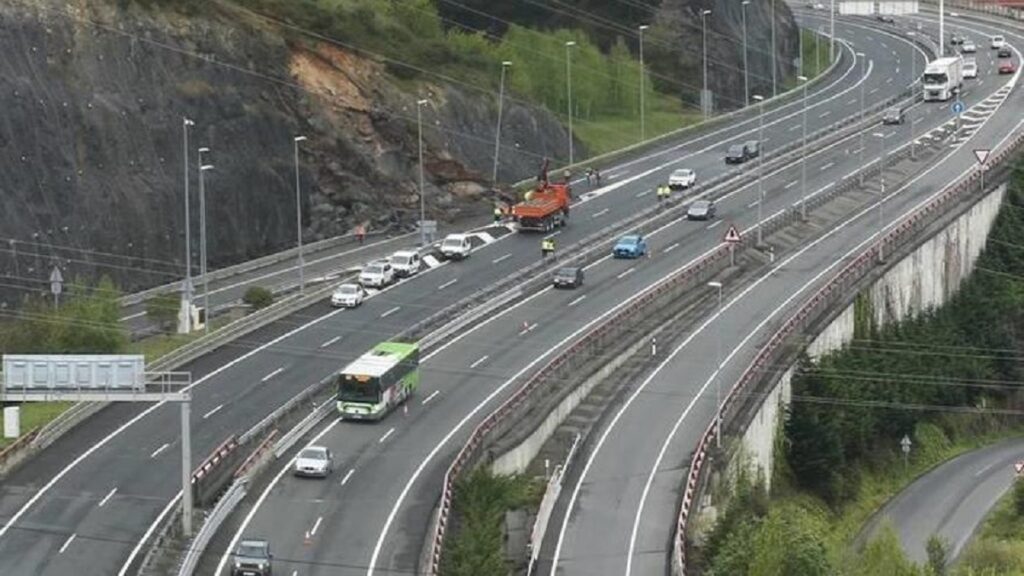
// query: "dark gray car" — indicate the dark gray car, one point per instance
point(252, 557)
point(701, 210)
point(753, 148)
point(893, 116)
point(568, 277)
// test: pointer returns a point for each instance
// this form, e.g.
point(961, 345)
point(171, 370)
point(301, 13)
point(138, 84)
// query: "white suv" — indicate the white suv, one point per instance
point(377, 274)
point(682, 178)
point(405, 262)
point(456, 246)
point(998, 42)
point(348, 296)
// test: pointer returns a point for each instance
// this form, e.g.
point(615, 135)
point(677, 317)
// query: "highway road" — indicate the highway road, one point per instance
point(375, 511)
point(52, 519)
point(952, 499)
point(618, 511)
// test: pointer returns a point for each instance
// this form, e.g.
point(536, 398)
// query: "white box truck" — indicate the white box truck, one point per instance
point(943, 78)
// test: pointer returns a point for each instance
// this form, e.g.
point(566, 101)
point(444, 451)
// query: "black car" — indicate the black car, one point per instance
point(753, 148)
point(569, 277)
point(1004, 52)
point(701, 210)
point(252, 558)
point(956, 39)
point(886, 18)
point(737, 154)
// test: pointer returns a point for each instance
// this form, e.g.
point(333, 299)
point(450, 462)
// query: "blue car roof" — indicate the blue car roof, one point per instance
point(630, 238)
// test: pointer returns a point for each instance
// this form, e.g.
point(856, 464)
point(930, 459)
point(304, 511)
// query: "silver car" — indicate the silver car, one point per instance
point(314, 461)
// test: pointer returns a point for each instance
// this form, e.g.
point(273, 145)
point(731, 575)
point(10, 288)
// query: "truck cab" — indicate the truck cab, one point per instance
point(942, 78)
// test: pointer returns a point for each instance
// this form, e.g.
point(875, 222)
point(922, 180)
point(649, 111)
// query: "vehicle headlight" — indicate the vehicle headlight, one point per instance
point(238, 563)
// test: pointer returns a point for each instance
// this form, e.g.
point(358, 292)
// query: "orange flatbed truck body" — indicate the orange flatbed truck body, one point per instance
point(545, 207)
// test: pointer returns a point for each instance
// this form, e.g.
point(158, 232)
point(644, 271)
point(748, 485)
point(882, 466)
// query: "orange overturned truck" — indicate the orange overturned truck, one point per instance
point(546, 206)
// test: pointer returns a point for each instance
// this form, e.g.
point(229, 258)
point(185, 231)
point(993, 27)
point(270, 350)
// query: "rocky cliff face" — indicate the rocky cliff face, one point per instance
point(93, 96)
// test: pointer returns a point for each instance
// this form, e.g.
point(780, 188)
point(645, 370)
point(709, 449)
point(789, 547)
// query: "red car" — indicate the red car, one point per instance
point(1007, 68)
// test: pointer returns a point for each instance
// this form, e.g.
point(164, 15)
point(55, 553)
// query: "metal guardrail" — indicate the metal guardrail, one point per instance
point(836, 289)
point(547, 505)
point(225, 506)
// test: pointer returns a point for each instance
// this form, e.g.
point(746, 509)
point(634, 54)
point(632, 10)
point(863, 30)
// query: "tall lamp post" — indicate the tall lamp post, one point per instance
point(202, 238)
point(705, 96)
point(881, 195)
point(497, 132)
point(643, 127)
point(863, 81)
point(298, 215)
point(419, 138)
point(803, 156)
point(746, 67)
point(774, 56)
point(913, 96)
point(832, 32)
point(718, 367)
point(568, 91)
point(187, 289)
point(760, 165)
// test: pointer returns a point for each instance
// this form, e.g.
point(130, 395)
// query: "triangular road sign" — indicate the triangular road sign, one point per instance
point(732, 234)
point(1019, 466)
point(982, 155)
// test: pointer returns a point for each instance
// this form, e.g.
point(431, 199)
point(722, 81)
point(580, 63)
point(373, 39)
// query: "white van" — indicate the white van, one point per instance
point(456, 246)
point(405, 262)
point(998, 42)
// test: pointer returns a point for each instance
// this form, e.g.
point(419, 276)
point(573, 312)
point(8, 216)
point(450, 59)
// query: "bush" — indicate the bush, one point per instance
point(258, 297)
point(938, 554)
point(163, 310)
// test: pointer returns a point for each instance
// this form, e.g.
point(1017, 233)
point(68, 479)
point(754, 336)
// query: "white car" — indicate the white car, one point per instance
point(377, 274)
point(998, 42)
point(405, 262)
point(968, 47)
point(348, 296)
point(682, 179)
point(456, 246)
point(970, 70)
point(314, 461)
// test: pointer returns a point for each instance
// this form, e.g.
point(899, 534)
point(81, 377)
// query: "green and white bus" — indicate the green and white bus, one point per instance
point(379, 380)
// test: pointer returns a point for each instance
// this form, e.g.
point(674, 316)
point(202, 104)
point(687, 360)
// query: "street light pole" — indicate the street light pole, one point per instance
point(705, 96)
point(760, 165)
point(832, 32)
point(202, 239)
point(863, 62)
point(568, 92)
point(913, 96)
point(942, 27)
point(774, 56)
point(643, 127)
point(298, 215)
point(881, 195)
point(746, 67)
point(718, 367)
point(419, 139)
point(187, 288)
point(497, 132)
point(803, 156)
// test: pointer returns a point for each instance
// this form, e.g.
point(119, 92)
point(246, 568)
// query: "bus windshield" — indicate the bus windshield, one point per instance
point(358, 388)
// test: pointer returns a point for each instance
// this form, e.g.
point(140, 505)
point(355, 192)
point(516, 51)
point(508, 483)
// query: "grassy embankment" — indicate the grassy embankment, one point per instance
point(840, 456)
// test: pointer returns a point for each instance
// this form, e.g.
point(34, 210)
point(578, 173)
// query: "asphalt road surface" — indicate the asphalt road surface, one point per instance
point(133, 449)
point(952, 500)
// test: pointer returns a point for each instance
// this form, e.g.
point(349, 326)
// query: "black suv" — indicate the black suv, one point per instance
point(737, 154)
point(1004, 52)
point(569, 277)
point(252, 558)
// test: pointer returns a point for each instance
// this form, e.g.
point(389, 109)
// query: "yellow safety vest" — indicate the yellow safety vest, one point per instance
point(548, 245)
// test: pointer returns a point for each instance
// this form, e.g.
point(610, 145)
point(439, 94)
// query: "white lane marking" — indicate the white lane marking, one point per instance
point(553, 234)
point(873, 90)
point(295, 573)
point(795, 128)
point(674, 246)
point(827, 166)
point(600, 213)
point(856, 150)
point(212, 412)
point(390, 312)
point(984, 469)
point(480, 361)
point(644, 193)
point(431, 397)
point(331, 341)
point(754, 203)
point(272, 374)
point(501, 258)
point(259, 502)
point(714, 224)
point(386, 435)
point(348, 475)
point(897, 69)
point(791, 184)
point(626, 272)
point(67, 543)
point(850, 175)
point(448, 283)
point(159, 450)
point(577, 300)
point(852, 101)
point(825, 113)
point(528, 328)
point(107, 497)
point(316, 526)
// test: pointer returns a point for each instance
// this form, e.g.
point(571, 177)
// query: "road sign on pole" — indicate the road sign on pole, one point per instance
point(732, 235)
point(958, 107)
point(905, 446)
point(56, 285)
point(1019, 467)
point(982, 155)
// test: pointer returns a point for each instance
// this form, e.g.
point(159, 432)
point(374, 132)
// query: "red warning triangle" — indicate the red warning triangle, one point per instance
point(732, 235)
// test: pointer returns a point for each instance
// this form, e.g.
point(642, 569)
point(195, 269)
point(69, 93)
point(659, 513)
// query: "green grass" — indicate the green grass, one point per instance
point(609, 133)
point(34, 415)
point(153, 347)
point(999, 545)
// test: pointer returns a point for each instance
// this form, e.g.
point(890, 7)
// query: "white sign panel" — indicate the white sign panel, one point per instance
point(897, 8)
point(853, 7)
point(73, 372)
